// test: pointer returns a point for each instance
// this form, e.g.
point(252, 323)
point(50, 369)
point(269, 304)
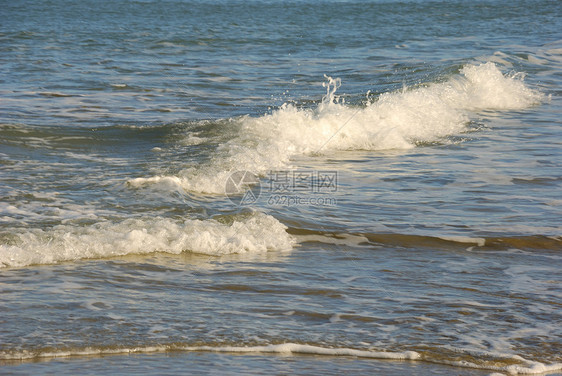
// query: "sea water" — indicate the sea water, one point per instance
point(301, 187)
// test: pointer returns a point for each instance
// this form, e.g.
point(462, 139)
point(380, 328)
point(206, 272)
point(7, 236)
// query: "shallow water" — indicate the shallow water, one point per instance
point(308, 187)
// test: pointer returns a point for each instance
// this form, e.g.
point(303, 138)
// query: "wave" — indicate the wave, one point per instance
point(512, 364)
point(394, 120)
point(244, 233)
point(240, 234)
point(531, 242)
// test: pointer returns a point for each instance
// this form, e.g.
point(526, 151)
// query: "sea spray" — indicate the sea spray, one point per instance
point(244, 233)
point(395, 120)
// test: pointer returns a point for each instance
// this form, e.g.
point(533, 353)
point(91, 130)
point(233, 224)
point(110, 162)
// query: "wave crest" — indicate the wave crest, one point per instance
point(257, 232)
point(395, 120)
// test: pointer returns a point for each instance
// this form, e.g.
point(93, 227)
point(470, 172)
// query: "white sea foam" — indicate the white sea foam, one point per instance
point(285, 348)
point(256, 233)
point(395, 120)
point(339, 239)
point(465, 239)
point(526, 367)
point(295, 348)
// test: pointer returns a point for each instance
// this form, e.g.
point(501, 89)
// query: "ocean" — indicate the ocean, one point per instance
point(281, 187)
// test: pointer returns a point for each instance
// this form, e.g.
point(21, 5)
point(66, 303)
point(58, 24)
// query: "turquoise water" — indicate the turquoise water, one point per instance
point(306, 187)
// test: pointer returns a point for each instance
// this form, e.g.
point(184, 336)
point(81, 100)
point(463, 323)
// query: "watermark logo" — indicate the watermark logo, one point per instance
point(283, 188)
point(302, 181)
point(243, 188)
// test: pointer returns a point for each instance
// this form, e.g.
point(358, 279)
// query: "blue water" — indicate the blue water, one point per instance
point(305, 187)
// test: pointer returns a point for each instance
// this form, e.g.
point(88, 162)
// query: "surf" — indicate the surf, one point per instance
point(400, 119)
